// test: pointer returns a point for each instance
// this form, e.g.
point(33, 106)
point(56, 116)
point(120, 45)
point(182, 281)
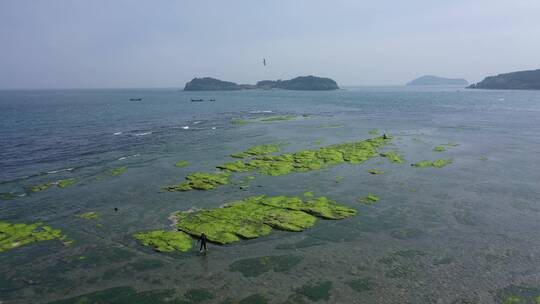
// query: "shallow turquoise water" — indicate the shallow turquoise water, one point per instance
point(465, 232)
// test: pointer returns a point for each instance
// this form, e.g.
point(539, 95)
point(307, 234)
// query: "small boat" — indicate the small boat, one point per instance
point(212, 99)
point(197, 100)
point(135, 99)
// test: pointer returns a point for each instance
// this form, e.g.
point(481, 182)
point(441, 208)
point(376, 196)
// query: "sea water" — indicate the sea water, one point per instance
point(465, 233)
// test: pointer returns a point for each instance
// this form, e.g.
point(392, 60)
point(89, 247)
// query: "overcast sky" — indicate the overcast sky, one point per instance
point(159, 43)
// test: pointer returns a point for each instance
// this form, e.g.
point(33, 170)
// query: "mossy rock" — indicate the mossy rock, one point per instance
point(202, 181)
point(393, 157)
point(374, 132)
point(316, 291)
point(256, 216)
point(239, 122)
point(16, 235)
point(118, 171)
point(64, 183)
point(370, 199)
point(89, 215)
point(41, 187)
point(254, 267)
point(439, 149)
point(165, 241)
point(286, 163)
point(439, 163)
point(181, 164)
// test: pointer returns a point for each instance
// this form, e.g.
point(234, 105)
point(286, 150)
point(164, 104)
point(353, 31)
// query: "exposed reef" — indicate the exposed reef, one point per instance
point(17, 235)
point(439, 163)
point(369, 199)
point(286, 163)
point(201, 181)
point(41, 187)
point(181, 164)
point(393, 157)
point(165, 241)
point(259, 150)
point(256, 216)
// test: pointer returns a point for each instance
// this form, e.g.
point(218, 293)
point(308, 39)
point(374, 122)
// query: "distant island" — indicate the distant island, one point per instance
point(430, 80)
point(523, 80)
point(309, 83)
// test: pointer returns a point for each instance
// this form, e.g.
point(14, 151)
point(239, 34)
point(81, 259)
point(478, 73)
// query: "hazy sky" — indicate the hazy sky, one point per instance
point(159, 43)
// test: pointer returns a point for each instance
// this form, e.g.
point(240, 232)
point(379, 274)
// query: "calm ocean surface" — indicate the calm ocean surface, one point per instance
point(465, 233)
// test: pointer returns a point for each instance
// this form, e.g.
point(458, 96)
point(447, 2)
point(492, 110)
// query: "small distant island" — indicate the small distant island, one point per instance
point(522, 80)
point(308, 83)
point(430, 80)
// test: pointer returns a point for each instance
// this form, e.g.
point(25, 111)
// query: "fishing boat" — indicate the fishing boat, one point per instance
point(135, 99)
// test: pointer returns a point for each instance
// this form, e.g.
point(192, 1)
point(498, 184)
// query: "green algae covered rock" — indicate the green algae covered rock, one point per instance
point(369, 199)
point(286, 163)
point(259, 150)
point(89, 215)
point(278, 118)
point(165, 241)
point(201, 181)
point(16, 235)
point(118, 171)
point(439, 149)
point(41, 187)
point(64, 183)
point(308, 160)
point(439, 163)
point(256, 216)
point(393, 157)
point(181, 164)
point(374, 132)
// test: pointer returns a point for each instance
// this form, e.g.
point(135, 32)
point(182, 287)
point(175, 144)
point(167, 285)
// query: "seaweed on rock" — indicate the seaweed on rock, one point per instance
point(439, 163)
point(201, 181)
point(256, 216)
point(64, 183)
point(165, 241)
point(16, 235)
point(259, 150)
point(286, 163)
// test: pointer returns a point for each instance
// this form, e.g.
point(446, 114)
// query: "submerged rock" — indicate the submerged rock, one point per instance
point(118, 171)
point(254, 267)
point(89, 215)
point(256, 216)
point(16, 235)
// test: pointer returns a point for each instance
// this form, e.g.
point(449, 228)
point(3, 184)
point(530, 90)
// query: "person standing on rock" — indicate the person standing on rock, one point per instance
point(202, 240)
